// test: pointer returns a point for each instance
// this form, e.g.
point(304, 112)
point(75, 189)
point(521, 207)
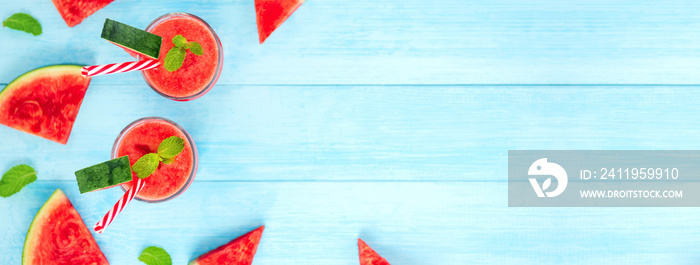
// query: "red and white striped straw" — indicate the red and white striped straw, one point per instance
point(119, 206)
point(113, 68)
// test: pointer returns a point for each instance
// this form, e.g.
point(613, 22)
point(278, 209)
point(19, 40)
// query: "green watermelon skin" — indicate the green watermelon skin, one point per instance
point(58, 235)
point(104, 175)
point(368, 256)
point(270, 14)
point(131, 39)
point(75, 11)
point(240, 251)
point(44, 102)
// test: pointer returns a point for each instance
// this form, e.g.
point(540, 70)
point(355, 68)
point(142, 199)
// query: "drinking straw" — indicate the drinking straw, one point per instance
point(112, 68)
point(119, 206)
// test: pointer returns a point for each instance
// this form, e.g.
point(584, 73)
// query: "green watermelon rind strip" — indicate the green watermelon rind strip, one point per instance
point(131, 38)
point(104, 175)
point(57, 196)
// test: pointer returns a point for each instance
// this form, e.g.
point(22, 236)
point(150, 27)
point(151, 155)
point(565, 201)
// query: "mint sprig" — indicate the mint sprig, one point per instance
point(15, 179)
point(146, 165)
point(176, 55)
point(196, 48)
point(23, 22)
point(155, 256)
point(179, 41)
point(171, 147)
point(174, 59)
point(167, 150)
point(168, 161)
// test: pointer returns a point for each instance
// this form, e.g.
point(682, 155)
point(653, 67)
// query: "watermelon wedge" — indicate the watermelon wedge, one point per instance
point(75, 11)
point(59, 236)
point(272, 13)
point(368, 256)
point(240, 251)
point(45, 101)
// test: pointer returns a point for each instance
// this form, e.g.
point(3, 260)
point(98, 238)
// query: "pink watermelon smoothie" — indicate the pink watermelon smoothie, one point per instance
point(198, 73)
point(142, 137)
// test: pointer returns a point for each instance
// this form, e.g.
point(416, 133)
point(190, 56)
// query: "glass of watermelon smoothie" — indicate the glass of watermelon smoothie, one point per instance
point(142, 137)
point(198, 73)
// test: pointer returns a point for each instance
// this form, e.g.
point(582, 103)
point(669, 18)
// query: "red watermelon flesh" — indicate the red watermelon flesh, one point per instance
point(75, 11)
point(58, 236)
point(45, 101)
point(272, 13)
point(368, 256)
point(240, 251)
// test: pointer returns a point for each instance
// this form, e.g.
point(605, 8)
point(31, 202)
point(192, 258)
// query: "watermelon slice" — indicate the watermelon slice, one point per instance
point(240, 251)
point(74, 11)
point(368, 256)
point(59, 236)
point(272, 13)
point(45, 101)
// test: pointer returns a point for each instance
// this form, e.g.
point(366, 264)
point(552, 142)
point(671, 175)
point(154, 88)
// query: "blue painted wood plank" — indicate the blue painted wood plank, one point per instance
point(427, 133)
point(403, 41)
point(322, 165)
point(408, 223)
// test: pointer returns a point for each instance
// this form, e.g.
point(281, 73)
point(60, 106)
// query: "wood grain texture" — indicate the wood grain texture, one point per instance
point(407, 223)
point(403, 42)
point(372, 133)
point(388, 120)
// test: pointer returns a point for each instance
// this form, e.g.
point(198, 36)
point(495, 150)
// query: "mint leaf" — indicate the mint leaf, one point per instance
point(15, 179)
point(174, 59)
point(179, 41)
point(168, 148)
point(176, 55)
point(171, 147)
point(155, 256)
point(196, 48)
point(146, 165)
point(168, 161)
point(23, 22)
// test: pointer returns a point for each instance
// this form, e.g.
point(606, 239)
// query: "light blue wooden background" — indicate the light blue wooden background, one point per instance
point(388, 120)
